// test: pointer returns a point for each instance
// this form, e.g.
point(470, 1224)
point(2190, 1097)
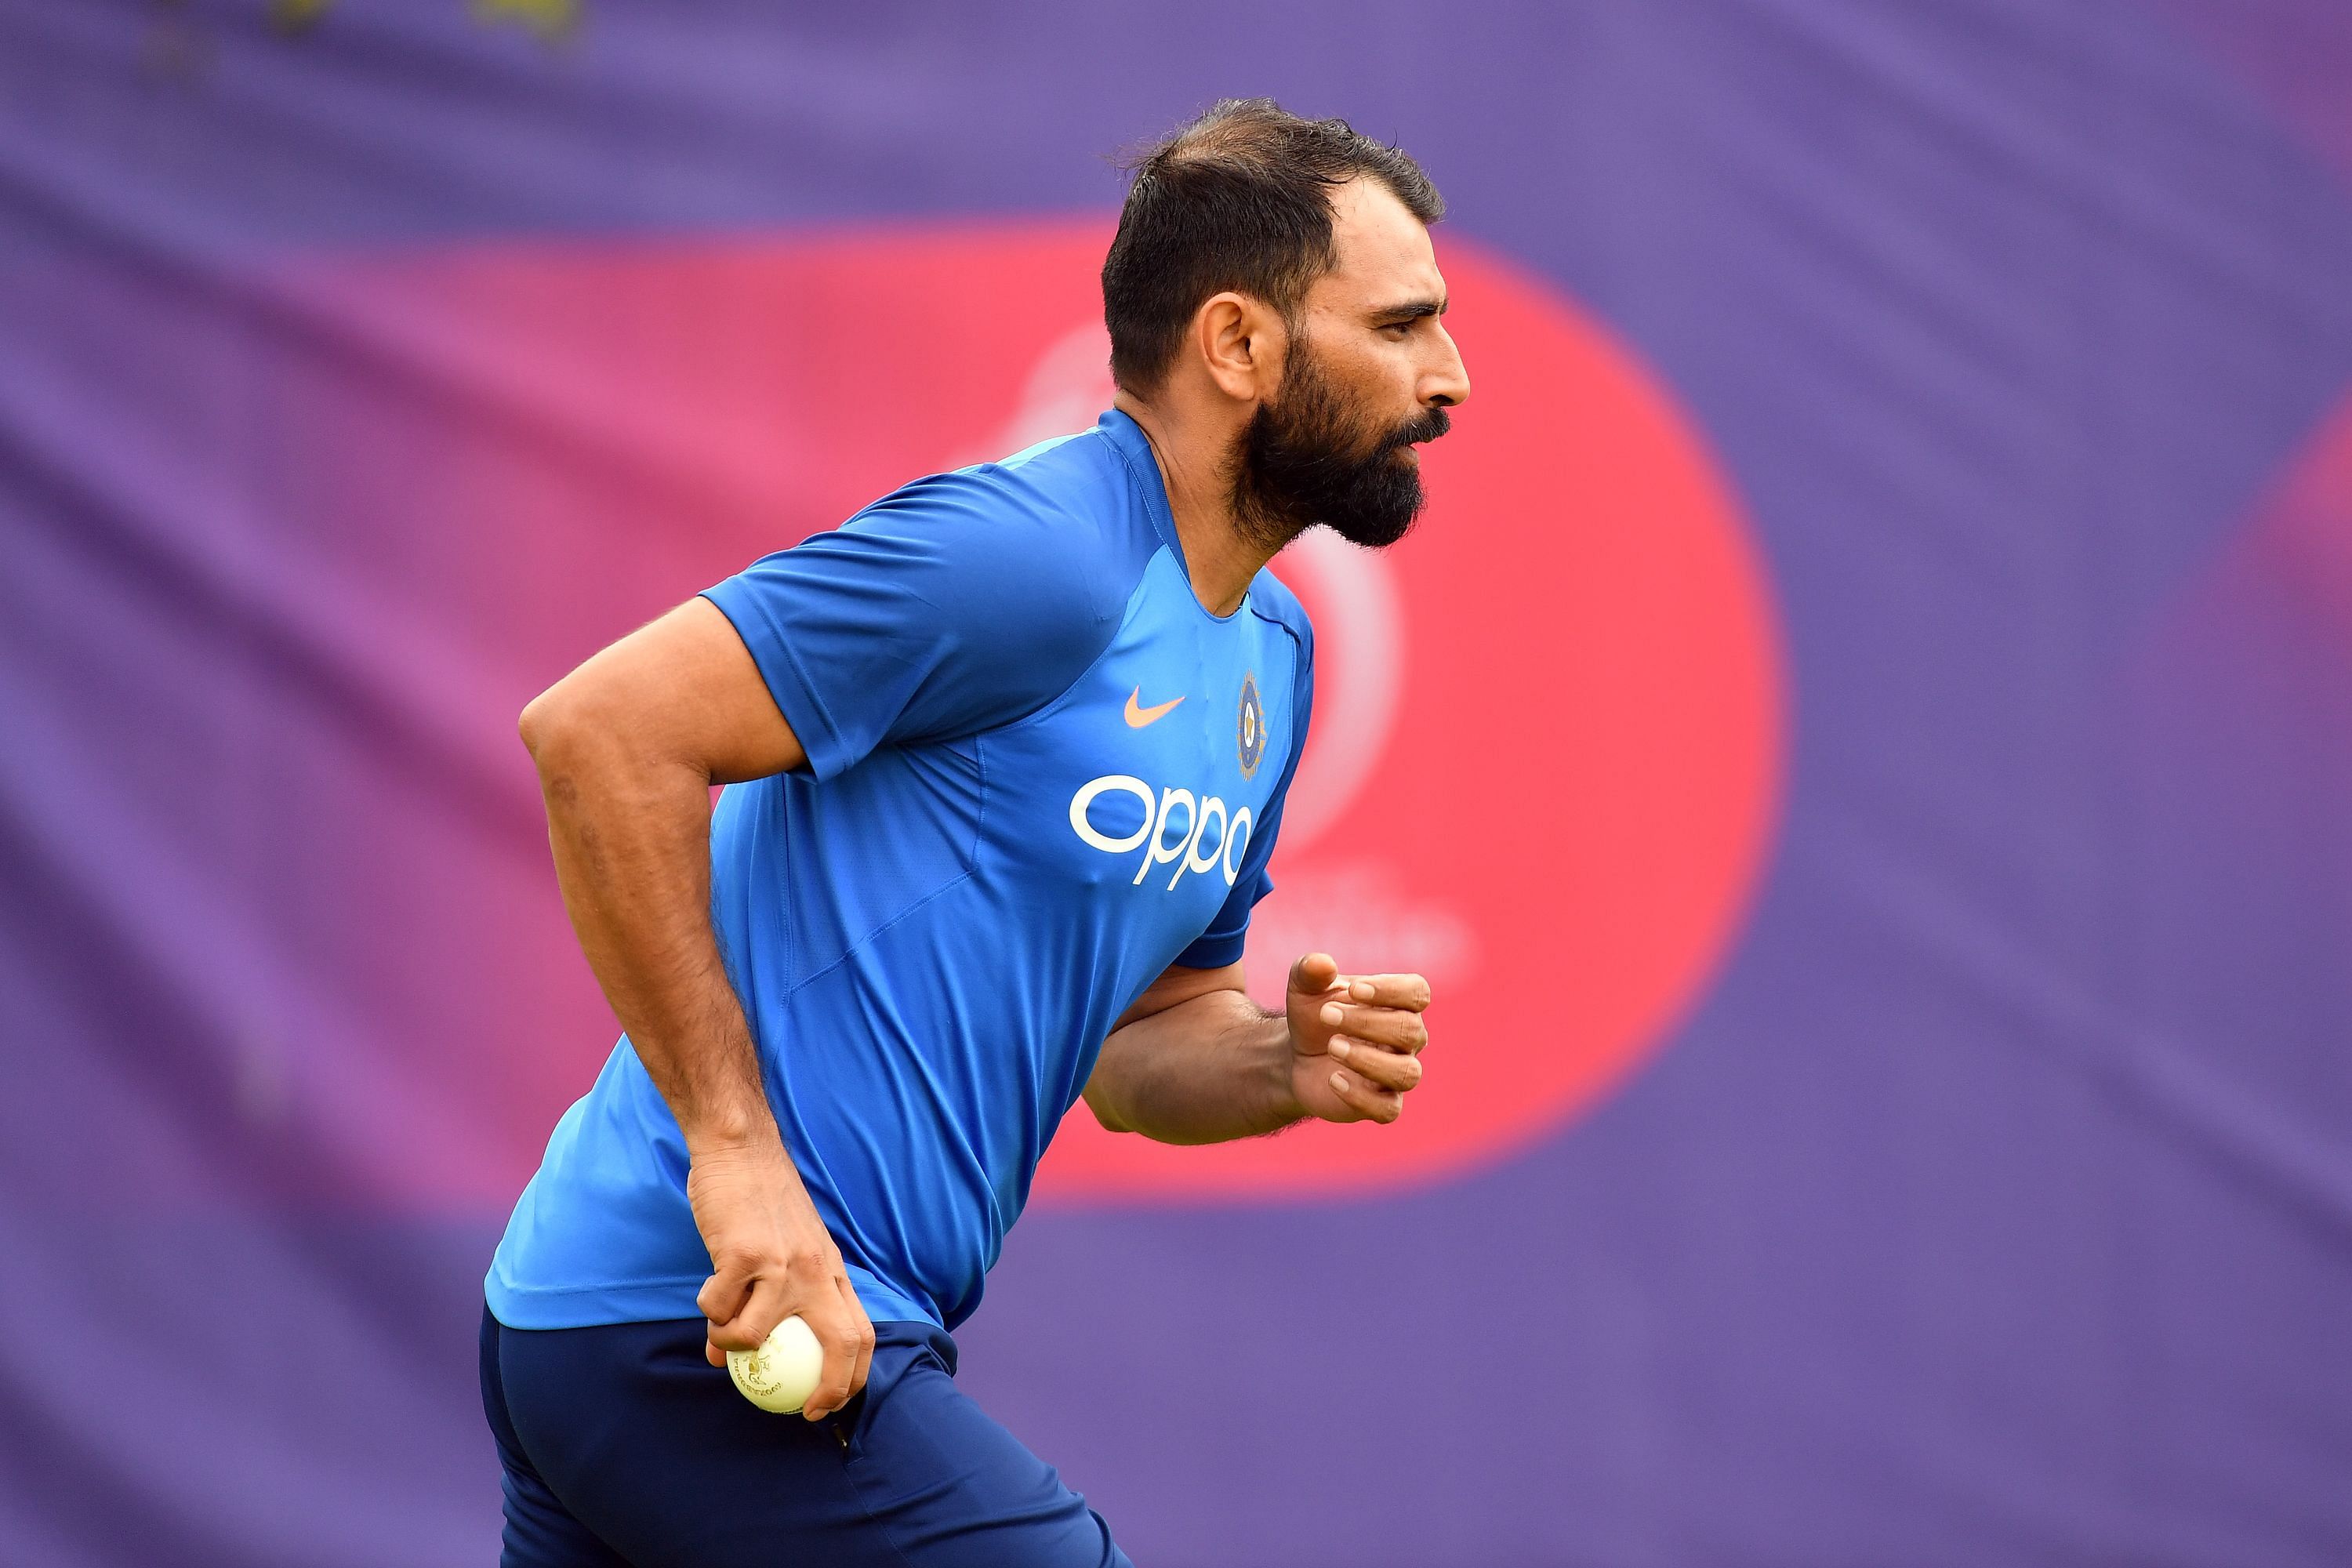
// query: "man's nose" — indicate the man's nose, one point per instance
point(1448, 385)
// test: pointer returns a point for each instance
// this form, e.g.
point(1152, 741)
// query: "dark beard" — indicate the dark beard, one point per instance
point(1305, 458)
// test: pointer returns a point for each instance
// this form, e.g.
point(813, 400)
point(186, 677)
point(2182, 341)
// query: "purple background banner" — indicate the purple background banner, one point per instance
point(1963, 1173)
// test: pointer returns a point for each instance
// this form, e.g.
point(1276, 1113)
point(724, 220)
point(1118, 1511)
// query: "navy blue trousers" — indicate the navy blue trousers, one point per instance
point(622, 1445)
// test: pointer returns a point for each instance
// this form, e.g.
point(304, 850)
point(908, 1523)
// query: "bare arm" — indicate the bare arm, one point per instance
point(1196, 1061)
point(628, 746)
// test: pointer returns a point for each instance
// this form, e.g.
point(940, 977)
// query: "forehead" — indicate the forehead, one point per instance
point(1383, 251)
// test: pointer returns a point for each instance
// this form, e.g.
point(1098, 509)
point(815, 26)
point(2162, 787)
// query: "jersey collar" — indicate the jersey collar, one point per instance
point(1127, 438)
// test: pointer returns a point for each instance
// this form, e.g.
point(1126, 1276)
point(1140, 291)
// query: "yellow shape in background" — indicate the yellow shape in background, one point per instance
point(296, 15)
point(548, 18)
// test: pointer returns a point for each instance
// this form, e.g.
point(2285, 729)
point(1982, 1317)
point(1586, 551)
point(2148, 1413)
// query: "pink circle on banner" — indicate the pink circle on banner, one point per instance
point(1547, 752)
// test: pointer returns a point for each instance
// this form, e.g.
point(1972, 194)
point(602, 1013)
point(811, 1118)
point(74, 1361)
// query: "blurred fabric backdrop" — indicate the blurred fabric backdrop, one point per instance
point(1862, 742)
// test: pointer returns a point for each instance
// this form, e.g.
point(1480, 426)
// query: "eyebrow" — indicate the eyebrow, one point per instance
point(1411, 311)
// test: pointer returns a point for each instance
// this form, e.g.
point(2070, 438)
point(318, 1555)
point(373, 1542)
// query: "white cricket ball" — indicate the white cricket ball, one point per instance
point(782, 1374)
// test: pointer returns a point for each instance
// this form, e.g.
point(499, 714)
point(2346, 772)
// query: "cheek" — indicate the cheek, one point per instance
point(1363, 364)
point(1378, 384)
point(1399, 369)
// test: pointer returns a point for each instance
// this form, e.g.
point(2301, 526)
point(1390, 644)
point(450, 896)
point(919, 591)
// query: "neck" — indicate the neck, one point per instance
point(1221, 556)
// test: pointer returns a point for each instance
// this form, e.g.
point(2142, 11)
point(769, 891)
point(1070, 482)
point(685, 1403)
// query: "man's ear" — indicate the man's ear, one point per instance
point(1241, 341)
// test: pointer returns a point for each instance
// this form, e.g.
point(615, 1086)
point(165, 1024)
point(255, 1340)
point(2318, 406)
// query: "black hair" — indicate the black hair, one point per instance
point(1240, 199)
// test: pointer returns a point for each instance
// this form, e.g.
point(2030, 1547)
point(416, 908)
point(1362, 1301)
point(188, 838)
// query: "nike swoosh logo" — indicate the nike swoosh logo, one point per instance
point(1137, 716)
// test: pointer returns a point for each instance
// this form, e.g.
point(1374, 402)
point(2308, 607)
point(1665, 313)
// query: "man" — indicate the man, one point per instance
point(1007, 754)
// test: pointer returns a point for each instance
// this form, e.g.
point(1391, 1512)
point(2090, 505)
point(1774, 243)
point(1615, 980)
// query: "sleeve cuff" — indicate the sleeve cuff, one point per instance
point(1214, 951)
point(787, 687)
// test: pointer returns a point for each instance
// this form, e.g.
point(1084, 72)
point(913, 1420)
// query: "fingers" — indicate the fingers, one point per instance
point(846, 1338)
point(1369, 1102)
point(721, 1296)
point(1392, 1026)
point(1314, 974)
point(1410, 992)
point(748, 1327)
point(1383, 1068)
point(721, 1300)
point(1376, 1034)
point(866, 1349)
point(837, 1318)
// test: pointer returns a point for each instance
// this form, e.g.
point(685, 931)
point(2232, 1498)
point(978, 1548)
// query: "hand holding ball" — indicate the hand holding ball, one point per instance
point(783, 1372)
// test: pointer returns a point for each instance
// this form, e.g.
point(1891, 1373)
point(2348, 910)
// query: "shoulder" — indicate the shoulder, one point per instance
point(1041, 545)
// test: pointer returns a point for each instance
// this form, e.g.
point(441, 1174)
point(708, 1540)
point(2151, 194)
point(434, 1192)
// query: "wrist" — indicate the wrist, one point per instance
point(727, 1137)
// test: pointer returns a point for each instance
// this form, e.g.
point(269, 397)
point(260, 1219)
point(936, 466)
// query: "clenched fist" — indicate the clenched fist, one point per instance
point(1355, 1039)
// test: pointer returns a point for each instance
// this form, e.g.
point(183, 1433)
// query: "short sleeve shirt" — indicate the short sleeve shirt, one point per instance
point(1039, 773)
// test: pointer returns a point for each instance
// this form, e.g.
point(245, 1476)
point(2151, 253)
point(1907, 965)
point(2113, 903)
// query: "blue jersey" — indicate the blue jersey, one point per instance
point(1039, 773)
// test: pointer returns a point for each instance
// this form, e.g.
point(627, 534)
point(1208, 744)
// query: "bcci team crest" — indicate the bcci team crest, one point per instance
point(1251, 729)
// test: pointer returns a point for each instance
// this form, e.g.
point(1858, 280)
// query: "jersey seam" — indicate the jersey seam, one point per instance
point(1126, 614)
point(1274, 620)
point(871, 937)
point(1302, 662)
point(858, 1491)
point(980, 817)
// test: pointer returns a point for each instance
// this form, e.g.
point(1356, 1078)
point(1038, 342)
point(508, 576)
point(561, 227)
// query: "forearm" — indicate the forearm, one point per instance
point(1207, 1070)
point(631, 840)
point(627, 748)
